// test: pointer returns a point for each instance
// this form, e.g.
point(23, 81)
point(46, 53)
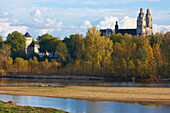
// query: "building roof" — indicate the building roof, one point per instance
point(105, 30)
point(27, 35)
point(128, 31)
point(33, 43)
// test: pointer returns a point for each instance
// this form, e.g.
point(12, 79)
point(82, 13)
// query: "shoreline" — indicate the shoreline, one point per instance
point(11, 106)
point(85, 78)
point(118, 94)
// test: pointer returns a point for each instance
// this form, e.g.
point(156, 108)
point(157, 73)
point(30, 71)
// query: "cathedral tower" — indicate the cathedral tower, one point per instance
point(141, 23)
point(148, 23)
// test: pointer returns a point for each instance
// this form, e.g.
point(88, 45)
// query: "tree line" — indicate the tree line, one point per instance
point(117, 56)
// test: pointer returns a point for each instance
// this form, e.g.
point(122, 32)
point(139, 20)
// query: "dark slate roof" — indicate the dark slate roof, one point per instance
point(110, 30)
point(104, 30)
point(27, 35)
point(33, 43)
point(128, 31)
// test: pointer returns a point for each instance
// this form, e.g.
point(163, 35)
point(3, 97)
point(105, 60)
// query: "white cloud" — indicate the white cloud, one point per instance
point(38, 21)
point(72, 27)
point(6, 27)
point(90, 2)
point(107, 2)
point(161, 28)
point(128, 22)
point(3, 20)
point(36, 13)
point(52, 23)
point(4, 14)
point(108, 22)
point(86, 24)
point(43, 31)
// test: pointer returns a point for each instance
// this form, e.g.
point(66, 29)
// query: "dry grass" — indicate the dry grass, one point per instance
point(13, 108)
point(125, 94)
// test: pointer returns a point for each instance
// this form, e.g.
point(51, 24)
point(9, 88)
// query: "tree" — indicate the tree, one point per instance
point(34, 65)
point(61, 52)
point(5, 51)
point(98, 49)
point(21, 64)
point(158, 57)
point(74, 46)
point(20, 53)
point(16, 40)
point(93, 46)
point(107, 49)
point(1, 41)
point(48, 43)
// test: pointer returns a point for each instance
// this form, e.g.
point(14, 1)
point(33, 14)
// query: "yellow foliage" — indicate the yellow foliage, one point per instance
point(2, 72)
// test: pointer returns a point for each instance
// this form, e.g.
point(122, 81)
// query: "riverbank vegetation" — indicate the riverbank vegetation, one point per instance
point(117, 56)
point(120, 94)
point(11, 107)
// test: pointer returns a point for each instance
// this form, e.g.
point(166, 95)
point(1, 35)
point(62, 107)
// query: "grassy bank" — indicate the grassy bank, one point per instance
point(13, 108)
point(120, 94)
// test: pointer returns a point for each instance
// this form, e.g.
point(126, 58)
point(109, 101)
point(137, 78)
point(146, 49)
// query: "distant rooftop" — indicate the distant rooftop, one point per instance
point(124, 31)
point(27, 35)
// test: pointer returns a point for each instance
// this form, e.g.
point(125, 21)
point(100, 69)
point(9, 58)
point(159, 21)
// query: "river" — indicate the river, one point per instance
point(53, 82)
point(83, 106)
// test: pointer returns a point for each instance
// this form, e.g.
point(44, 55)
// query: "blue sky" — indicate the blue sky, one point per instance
point(63, 18)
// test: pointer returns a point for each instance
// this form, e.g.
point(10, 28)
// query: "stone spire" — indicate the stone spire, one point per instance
point(141, 14)
point(116, 26)
point(141, 23)
point(148, 11)
point(148, 23)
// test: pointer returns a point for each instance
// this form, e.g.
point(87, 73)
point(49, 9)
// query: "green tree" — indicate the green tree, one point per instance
point(75, 48)
point(48, 43)
point(16, 40)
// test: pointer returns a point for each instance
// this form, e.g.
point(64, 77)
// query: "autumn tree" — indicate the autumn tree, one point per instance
point(5, 51)
point(1, 41)
point(97, 49)
point(61, 52)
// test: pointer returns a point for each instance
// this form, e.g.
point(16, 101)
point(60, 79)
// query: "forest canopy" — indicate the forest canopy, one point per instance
point(119, 56)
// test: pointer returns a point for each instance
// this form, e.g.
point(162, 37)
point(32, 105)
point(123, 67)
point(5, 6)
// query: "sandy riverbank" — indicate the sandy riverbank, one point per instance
point(119, 94)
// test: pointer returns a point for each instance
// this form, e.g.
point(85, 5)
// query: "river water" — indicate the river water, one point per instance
point(83, 106)
point(38, 82)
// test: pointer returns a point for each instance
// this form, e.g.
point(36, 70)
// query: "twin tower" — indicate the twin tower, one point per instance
point(144, 23)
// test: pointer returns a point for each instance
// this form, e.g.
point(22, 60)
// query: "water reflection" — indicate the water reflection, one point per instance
point(35, 82)
point(84, 106)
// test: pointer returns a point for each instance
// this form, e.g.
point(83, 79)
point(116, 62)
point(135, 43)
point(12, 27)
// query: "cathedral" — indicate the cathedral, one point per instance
point(144, 26)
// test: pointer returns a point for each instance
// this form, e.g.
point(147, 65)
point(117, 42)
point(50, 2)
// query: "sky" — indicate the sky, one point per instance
point(62, 18)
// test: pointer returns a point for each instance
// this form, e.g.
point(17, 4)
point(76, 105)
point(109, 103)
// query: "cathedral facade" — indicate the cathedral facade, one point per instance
point(144, 26)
